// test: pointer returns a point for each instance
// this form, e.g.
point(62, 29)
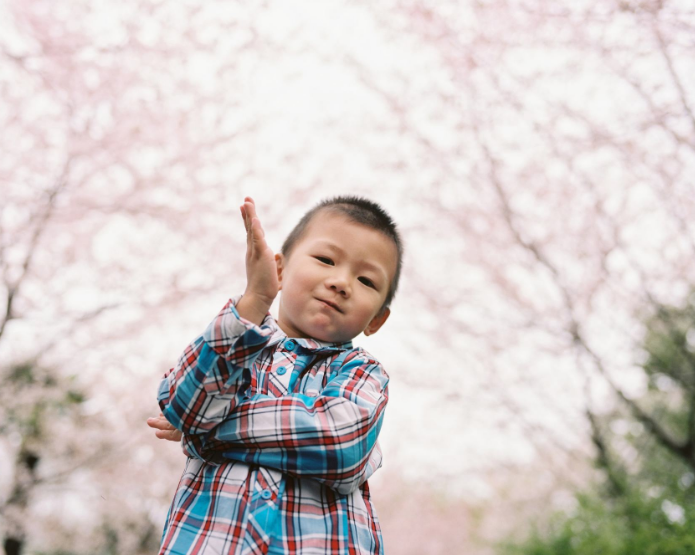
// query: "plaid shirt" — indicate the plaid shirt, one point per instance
point(281, 436)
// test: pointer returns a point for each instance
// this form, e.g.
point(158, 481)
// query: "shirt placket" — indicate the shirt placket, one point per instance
point(263, 510)
point(269, 485)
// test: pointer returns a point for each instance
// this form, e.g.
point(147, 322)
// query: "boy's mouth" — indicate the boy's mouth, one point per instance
point(331, 304)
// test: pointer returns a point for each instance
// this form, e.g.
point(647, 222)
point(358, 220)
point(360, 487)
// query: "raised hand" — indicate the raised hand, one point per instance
point(262, 284)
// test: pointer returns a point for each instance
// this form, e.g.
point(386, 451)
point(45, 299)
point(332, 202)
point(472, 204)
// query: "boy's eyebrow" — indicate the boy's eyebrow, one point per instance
point(364, 263)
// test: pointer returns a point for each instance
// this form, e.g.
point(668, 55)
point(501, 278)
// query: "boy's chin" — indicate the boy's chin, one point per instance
point(317, 329)
point(331, 336)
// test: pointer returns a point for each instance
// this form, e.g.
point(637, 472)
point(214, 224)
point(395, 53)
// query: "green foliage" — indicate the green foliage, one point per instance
point(633, 524)
point(647, 505)
point(32, 397)
point(669, 346)
point(21, 374)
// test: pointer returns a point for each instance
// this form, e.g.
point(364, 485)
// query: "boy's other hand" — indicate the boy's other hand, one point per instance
point(262, 284)
point(164, 429)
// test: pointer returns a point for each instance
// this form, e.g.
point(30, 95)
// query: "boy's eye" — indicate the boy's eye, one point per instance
point(368, 282)
point(324, 260)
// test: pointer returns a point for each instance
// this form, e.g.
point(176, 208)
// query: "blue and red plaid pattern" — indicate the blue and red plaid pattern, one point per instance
point(281, 436)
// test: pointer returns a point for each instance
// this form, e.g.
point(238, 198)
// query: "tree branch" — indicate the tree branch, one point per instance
point(605, 460)
point(674, 75)
point(39, 229)
point(682, 450)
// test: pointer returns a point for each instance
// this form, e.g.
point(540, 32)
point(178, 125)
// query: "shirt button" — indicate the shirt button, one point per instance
point(290, 345)
point(282, 370)
point(265, 494)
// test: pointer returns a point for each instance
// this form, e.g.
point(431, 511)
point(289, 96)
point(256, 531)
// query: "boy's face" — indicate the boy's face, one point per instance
point(335, 280)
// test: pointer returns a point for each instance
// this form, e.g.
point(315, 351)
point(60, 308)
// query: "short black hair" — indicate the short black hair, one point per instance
point(360, 211)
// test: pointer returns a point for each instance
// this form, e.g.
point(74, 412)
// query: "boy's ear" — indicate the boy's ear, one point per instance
point(280, 264)
point(377, 321)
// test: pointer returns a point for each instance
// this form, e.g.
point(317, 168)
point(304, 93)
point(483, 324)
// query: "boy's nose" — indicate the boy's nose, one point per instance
point(338, 284)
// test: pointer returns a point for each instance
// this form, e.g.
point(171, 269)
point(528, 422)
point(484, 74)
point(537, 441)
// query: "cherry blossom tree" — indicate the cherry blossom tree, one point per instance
point(565, 173)
point(536, 154)
point(107, 128)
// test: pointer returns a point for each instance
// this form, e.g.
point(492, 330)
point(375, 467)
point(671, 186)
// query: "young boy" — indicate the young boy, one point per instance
point(280, 418)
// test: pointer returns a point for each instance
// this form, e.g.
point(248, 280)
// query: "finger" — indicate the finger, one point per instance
point(243, 216)
point(246, 214)
point(160, 423)
point(258, 233)
point(166, 434)
point(249, 230)
point(250, 209)
point(174, 435)
point(152, 422)
point(257, 236)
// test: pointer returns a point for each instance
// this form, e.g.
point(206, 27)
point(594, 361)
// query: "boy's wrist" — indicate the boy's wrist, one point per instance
point(253, 308)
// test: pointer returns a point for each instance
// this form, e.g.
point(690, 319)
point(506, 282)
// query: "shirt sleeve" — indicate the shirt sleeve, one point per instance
point(329, 438)
point(212, 375)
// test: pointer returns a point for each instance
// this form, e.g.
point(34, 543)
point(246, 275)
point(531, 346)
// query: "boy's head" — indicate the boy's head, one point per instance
point(339, 270)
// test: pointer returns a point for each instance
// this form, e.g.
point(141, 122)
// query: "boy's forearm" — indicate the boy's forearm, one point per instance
point(328, 438)
point(253, 308)
point(339, 479)
point(208, 381)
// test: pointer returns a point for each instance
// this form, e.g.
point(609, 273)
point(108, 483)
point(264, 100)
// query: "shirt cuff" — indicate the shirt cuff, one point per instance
point(234, 337)
point(239, 325)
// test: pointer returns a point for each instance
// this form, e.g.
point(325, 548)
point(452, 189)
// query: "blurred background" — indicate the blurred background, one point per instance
point(539, 158)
